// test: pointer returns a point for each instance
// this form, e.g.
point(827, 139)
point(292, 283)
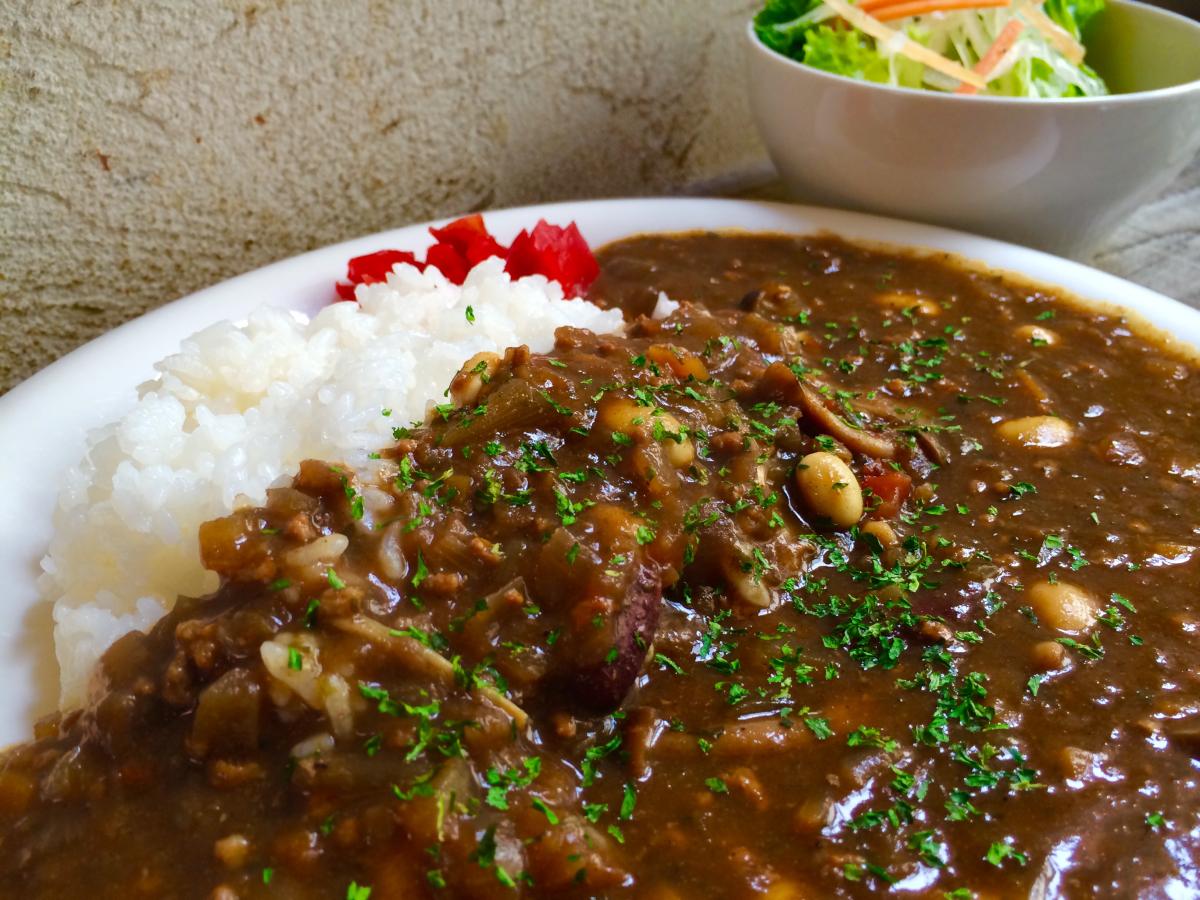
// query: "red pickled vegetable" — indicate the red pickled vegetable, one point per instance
point(561, 254)
point(373, 268)
point(470, 238)
point(449, 261)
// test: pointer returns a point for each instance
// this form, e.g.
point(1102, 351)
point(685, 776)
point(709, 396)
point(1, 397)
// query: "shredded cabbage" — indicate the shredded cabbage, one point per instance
point(809, 32)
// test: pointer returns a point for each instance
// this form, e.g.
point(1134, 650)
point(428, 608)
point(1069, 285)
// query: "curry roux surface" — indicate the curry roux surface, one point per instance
point(859, 572)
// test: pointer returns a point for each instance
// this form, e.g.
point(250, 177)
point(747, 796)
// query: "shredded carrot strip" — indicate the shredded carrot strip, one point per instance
point(875, 7)
point(1063, 42)
point(908, 8)
point(1003, 43)
point(901, 43)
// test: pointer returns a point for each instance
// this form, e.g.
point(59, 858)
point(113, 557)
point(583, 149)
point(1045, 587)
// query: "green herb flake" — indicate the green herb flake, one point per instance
point(1021, 488)
point(422, 571)
point(593, 811)
point(999, 852)
point(716, 785)
point(667, 663)
point(540, 805)
point(927, 847)
point(628, 802)
point(819, 727)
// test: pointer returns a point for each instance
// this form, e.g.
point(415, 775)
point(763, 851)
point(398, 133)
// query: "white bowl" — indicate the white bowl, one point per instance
point(1053, 174)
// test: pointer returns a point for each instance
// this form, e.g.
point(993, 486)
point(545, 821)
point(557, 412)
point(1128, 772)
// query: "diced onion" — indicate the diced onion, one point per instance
point(321, 742)
point(329, 693)
point(325, 549)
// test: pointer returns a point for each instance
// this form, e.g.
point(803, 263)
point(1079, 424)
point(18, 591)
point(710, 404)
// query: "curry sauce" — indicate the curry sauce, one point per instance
point(857, 572)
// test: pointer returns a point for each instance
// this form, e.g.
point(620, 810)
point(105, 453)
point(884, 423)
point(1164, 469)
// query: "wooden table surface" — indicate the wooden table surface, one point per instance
point(1158, 247)
point(1160, 244)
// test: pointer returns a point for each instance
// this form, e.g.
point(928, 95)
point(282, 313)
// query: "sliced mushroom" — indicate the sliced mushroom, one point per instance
point(828, 422)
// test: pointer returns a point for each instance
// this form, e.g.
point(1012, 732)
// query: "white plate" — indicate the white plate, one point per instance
point(43, 422)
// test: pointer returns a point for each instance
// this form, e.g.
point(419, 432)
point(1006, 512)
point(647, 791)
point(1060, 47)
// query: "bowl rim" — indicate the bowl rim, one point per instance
point(1155, 94)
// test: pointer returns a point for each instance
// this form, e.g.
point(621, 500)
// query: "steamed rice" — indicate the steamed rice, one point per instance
point(238, 408)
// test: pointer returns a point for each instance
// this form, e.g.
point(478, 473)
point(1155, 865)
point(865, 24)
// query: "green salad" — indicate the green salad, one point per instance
point(1009, 48)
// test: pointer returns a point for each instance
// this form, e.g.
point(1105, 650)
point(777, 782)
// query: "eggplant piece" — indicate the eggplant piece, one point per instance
point(607, 601)
point(601, 685)
point(227, 719)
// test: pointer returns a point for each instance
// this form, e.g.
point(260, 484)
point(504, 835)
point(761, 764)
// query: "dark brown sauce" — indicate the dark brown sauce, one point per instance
point(603, 630)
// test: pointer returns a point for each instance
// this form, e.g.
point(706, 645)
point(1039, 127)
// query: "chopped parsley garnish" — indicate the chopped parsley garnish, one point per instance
point(540, 805)
point(628, 802)
point(422, 571)
point(819, 727)
point(667, 663)
point(1000, 851)
point(1021, 488)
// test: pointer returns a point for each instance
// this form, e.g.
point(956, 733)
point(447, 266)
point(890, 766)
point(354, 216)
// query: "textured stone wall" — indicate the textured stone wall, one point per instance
point(151, 147)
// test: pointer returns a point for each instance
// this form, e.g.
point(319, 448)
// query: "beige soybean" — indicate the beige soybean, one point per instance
point(623, 415)
point(744, 585)
point(1036, 431)
point(1037, 335)
point(830, 489)
point(1062, 606)
point(680, 453)
point(900, 302)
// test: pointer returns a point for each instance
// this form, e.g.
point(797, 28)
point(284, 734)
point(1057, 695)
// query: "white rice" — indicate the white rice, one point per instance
point(238, 408)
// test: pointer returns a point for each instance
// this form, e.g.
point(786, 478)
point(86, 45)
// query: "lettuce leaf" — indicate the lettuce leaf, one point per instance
point(845, 52)
point(1073, 15)
point(776, 26)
